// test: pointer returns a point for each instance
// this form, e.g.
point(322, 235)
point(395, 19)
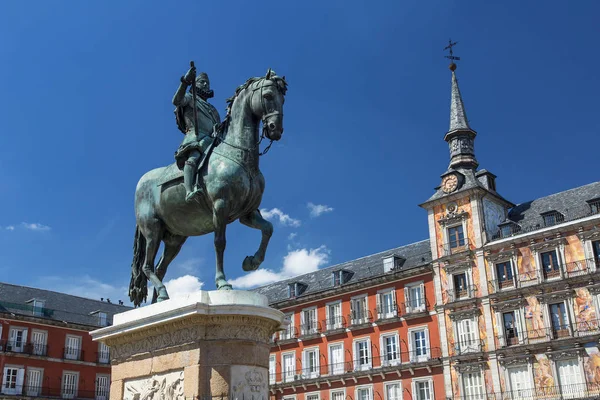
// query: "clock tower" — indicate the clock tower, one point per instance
point(464, 214)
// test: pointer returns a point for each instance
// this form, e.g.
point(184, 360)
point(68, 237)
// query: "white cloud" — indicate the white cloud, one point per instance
point(296, 262)
point(292, 236)
point(283, 218)
point(183, 286)
point(35, 226)
point(189, 266)
point(85, 286)
point(10, 228)
point(318, 209)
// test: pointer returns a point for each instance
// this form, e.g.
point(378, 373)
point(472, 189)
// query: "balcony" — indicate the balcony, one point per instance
point(289, 335)
point(103, 357)
point(334, 325)
point(460, 294)
point(572, 391)
point(360, 319)
point(415, 309)
point(465, 347)
point(310, 330)
point(16, 346)
point(72, 353)
point(37, 391)
point(388, 313)
point(515, 337)
point(423, 358)
point(455, 247)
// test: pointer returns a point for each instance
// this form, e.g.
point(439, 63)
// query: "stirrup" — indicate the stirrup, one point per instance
point(189, 197)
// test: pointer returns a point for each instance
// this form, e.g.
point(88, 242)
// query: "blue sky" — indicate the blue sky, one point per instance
point(85, 110)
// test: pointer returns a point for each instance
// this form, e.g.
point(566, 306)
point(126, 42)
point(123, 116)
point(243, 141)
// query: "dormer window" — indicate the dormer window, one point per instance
point(295, 289)
point(594, 206)
point(37, 307)
point(338, 278)
point(392, 262)
point(552, 218)
point(102, 320)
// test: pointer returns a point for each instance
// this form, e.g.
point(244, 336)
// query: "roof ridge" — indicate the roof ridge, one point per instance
point(557, 193)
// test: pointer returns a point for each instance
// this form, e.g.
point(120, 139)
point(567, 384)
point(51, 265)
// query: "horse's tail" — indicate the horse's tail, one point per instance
point(138, 286)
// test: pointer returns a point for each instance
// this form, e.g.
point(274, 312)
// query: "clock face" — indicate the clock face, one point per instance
point(449, 183)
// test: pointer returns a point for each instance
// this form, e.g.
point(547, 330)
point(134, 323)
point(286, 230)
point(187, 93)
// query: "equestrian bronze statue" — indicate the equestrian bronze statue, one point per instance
point(223, 181)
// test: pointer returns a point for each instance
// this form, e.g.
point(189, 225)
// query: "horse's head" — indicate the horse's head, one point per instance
point(267, 103)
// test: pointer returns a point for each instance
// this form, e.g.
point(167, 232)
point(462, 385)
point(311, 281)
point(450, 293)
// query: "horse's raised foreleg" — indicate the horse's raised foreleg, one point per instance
point(153, 231)
point(256, 221)
point(220, 216)
point(173, 244)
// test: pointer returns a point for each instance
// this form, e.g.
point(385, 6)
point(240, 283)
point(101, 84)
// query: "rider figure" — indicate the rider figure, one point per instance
point(190, 151)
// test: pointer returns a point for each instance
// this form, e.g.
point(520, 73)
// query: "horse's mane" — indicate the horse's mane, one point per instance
point(279, 81)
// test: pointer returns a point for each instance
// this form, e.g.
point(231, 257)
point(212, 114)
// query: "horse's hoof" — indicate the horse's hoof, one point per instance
point(224, 286)
point(248, 264)
point(162, 296)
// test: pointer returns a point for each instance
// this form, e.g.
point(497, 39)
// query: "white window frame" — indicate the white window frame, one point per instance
point(568, 312)
point(12, 342)
point(36, 390)
point(384, 361)
point(468, 271)
point(363, 387)
point(336, 324)
point(37, 309)
point(39, 349)
point(389, 383)
point(305, 372)
point(519, 324)
point(104, 395)
point(68, 349)
point(341, 389)
point(529, 390)
point(560, 257)
point(482, 391)
point(356, 354)
point(102, 318)
point(318, 394)
point(336, 368)
point(19, 379)
point(389, 263)
point(446, 233)
point(467, 342)
point(285, 376)
point(574, 390)
point(412, 356)
point(289, 332)
point(313, 328)
point(103, 353)
point(409, 307)
point(65, 395)
point(365, 316)
point(272, 371)
point(415, 393)
point(512, 263)
point(384, 313)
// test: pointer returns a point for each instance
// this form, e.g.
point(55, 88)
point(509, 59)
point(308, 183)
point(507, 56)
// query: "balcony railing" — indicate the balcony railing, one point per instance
point(541, 223)
point(463, 293)
point(103, 357)
point(572, 391)
point(415, 307)
point(455, 246)
point(388, 311)
point(290, 333)
point(72, 353)
point(360, 317)
point(463, 347)
point(100, 393)
point(310, 328)
point(397, 359)
point(513, 336)
point(16, 346)
point(334, 323)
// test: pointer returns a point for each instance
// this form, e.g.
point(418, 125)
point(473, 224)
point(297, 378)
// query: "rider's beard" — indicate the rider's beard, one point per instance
point(205, 93)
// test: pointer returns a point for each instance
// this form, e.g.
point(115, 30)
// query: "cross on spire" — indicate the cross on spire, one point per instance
point(451, 55)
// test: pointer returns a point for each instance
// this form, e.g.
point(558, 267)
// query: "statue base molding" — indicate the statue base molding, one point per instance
point(210, 343)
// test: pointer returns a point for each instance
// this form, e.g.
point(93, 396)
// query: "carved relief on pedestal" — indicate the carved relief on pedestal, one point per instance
point(167, 386)
point(249, 382)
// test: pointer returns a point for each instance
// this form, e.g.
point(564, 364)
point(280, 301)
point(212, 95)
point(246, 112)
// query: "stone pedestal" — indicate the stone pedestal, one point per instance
point(207, 344)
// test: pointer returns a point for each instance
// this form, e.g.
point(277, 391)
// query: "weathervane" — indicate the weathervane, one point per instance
point(451, 55)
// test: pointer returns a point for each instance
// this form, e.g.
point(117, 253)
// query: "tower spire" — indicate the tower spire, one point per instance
point(460, 136)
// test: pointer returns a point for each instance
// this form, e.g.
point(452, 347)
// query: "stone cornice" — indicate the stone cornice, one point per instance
point(475, 366)
point(548, 244)
point(515, 361)
point(555, 296)
point(502, 255)
point(453, 218)
point(592, 234)
point(464, 313)
point(509, 305)
point(565, 354)
point(457, 265)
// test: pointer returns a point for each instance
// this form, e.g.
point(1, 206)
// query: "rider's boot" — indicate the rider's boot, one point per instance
point(189, 172)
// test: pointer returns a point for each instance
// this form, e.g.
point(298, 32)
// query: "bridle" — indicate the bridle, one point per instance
point(264, 120)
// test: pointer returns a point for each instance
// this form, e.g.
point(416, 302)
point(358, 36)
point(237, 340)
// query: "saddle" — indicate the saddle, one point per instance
point(172, 173)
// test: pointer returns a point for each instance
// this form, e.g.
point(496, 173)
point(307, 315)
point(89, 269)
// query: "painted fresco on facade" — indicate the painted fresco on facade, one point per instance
point(591, 365)
point(526, 265)
point(482, 330)
point(450, 334)
point(475, 276)
point(439, 212)
point(455, 385)
point(494, 215)
point(574, 255)
point(542, 373)
point(534, 320)
point(444, 284)
point(489, 385)
point(585, 312)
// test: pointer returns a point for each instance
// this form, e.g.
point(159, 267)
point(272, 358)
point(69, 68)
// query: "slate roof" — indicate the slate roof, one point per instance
point(415, 254)
point(572, 204)
point(57, 306)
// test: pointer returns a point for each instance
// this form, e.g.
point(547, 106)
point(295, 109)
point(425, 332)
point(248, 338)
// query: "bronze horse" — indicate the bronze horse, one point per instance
point(232, 189)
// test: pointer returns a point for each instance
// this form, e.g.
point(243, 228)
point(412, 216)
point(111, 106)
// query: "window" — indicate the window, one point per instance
point(393, 391)
point(468, 333)
point(289, 330)
point(552, 218)
point(511, 333)
point(102, 320)
point(336, 358)
point(292, 290)
point(414, 295)
point(560, 322)
point(570, 378)
point(17, 338)
point(391, 263)
point(550, 264)
point(334, 315)
point(103, 353)
point(596, 249)
point(456, 237)
point(504, 274)
point(386, 304)
point(312, 396)
point(33, 385)
point(37, 307)
point(73, 348)
point(358, 308)
point(272, 366)
point(310, 363)
point(102, 387)
point(338, 278)
point(520, 382)
point(473, 385)
point(506, 230)
point(422, 389)
point(12, 382)
point(337, 395)
point(362, 354)
point(364, 393)
point(461, 286)
point(308, 321)
point(389, 346)
point(289, 367)
point(38, 342)
point(419, 345)
point(69, 385)
point(594, 206)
